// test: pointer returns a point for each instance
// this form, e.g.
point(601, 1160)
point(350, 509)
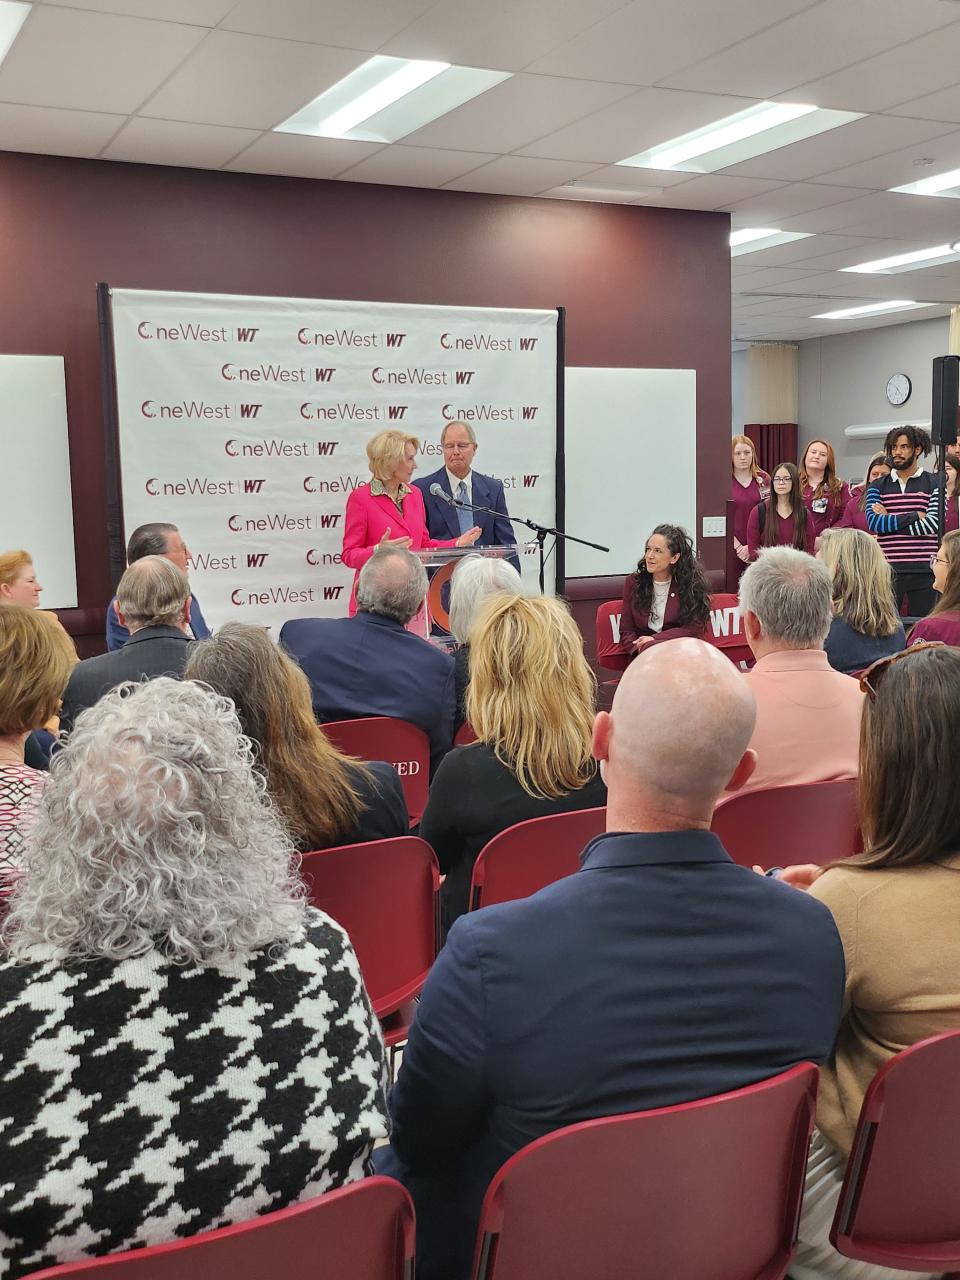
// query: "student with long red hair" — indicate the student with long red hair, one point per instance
point(825, 495)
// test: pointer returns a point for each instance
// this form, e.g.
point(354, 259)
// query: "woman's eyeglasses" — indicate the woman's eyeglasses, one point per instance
point(870, 680)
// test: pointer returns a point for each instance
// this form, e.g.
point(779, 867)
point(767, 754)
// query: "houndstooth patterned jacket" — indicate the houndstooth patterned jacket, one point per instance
point(142, 1101)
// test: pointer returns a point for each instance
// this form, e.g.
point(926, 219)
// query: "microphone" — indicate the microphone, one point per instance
point(438, 492)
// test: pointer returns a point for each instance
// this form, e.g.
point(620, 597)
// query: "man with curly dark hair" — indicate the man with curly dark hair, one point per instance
point(901, 511)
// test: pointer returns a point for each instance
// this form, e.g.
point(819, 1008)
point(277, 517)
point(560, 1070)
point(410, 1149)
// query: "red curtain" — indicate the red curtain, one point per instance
point(775, 442)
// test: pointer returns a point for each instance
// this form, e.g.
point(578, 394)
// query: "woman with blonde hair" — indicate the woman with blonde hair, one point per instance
point(531, 704)
point(388, 510)
point(748, 486)
point(474, 579)
point(943, 621)
point(866, 625)
point(325, 797)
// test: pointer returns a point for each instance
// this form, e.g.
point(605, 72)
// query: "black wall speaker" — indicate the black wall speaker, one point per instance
point(946, 394)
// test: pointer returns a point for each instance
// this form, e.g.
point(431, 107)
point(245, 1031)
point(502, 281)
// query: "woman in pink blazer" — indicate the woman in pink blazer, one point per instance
point(388, 511)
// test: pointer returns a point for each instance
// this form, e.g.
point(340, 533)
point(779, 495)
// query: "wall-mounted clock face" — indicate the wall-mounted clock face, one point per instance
point(899, 388)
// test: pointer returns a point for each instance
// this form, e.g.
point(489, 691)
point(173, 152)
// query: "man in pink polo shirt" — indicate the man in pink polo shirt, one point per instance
point(808, 715)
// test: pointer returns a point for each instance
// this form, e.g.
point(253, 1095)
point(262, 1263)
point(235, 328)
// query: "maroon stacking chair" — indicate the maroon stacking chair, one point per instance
point(900, 1202)
point(532, 854)
point(398, 742)
point(364, 1231)
point(609, 653)
point(725, 629)
point(386, 894)
point(812, 822)
point(464, 735)
point(704, 1189)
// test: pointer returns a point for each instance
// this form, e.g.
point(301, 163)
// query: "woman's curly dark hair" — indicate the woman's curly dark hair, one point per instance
point(689, 579)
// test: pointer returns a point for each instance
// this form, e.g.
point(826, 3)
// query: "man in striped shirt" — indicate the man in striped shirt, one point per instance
point(901, 511)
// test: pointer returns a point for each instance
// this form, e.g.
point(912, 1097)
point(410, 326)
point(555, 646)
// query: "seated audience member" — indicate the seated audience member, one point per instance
point(473, 580)
point(156, 540)
point(530, 701)
point(825, 495)
point(855, 512)
point(659, 973)
point(668, 595)
point(325, 798)
point(896, 906)
point(369, 665)
point(943, 622)
point(865, 625)
point(808, 715)
point(748, 486)
point(210, 1030)
point(782, 520)
point(153, 602)
point(34, 669)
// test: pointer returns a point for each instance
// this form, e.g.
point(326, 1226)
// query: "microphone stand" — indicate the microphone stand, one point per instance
point(542, 532)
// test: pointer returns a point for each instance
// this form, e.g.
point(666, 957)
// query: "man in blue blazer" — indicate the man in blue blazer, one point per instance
point(155, 540)
point(370, 665)
point(660, 973)
point(458, 479)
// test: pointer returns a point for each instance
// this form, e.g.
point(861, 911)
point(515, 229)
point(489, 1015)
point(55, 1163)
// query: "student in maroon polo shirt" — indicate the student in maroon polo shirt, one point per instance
point(855, 515)
point(781, 521)
point(825, 495)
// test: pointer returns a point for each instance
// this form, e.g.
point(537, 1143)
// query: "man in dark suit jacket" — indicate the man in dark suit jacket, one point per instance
point(156, 540)
point(153, 598)
point(661, 972)
point(369, 665)
point(457, 479)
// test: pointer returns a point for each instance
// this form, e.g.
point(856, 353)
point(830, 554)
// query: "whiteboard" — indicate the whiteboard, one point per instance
point(630, 440)
point(36, 510)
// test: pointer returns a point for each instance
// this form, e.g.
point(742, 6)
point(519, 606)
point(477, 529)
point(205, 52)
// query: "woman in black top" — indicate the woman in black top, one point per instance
point(474, 579)
point(531, 704)
point(325, 797)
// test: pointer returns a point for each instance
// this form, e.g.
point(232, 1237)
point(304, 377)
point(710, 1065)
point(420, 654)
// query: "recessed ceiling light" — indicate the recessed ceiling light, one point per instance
point(915, 261)
point(753, 132)
point(579, 190)
point(939, 184)
point(872, 309)
point(753, 239)
point(388, 98)
point(13, 15)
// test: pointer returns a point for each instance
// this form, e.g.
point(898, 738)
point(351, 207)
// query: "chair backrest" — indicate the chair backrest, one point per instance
point(364, 1231)
point(812, 822)
point(609, 653)
point(400, 743)
point(899, 1205)
point(464, 735)
point(386, 894)
point(657, 1194)
point(532, 854)
point(725, 629)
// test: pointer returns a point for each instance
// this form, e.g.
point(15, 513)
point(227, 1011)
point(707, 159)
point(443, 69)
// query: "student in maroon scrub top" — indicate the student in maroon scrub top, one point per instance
point(951, 517)
point(782, 520)
point(824, 495)
point(943, 621)
point(748, 486)
point(855, 515)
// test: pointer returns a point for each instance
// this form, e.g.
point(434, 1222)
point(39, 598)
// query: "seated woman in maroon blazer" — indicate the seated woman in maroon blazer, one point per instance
point(668, 596)
point(782, 520)
point(855, 512)
point(943, 621)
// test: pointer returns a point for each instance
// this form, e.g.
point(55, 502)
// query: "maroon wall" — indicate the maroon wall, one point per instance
point(647, 288)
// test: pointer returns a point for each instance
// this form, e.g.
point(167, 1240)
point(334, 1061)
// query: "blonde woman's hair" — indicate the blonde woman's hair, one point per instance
point(11, 564)
point(862, 581)
point(385, 450)
point(34, 668)
point(531, 693)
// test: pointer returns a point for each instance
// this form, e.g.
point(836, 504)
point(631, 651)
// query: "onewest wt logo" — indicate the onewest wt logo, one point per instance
point(257, 559)
point(246, 335)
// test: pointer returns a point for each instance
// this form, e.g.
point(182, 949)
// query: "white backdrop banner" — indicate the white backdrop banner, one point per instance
point(244, 420)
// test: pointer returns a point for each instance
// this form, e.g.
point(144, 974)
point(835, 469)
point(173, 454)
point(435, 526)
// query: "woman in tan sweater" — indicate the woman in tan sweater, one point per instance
point(896, 906)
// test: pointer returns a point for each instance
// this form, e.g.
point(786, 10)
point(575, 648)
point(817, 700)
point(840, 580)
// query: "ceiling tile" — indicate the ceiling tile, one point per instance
point(763, 210)
point(848, 145)
point(337, 22)
point(505, 36)
point(897, 168)
point(709, 191)
point(944, 105)
point(226, 81)
point(797, 252)
point(403, 166)
point(200, 146)
point(51, 131)
point(767, 277)
point(812, 44)
point(92, 61)
point(635, 123)
point(885, 215)
point(836, 259)
point(519, 176)
point(301, 157)
point(197, 13)
point(642, 43)
point(516, 112)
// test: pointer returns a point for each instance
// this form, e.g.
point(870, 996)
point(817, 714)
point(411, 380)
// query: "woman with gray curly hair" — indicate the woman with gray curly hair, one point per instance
point(474, 579)
point(186, 1043)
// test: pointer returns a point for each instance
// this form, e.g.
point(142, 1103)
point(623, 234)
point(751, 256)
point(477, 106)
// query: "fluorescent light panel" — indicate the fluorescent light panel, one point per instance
point(753, 132)
point(915, 261)
point(13, 15)
point(753, 239)
point(872, 309)
point(582, 190)
point(388, 98)
point(939, 184)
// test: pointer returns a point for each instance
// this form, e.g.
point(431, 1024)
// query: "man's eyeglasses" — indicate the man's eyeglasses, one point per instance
point(467, 444)
point(870, 680)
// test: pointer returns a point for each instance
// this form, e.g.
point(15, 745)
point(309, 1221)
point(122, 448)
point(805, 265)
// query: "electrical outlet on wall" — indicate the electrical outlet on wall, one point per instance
point(714, 526)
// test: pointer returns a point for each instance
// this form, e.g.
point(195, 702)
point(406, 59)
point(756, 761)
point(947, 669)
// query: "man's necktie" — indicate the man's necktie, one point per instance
point(464, 517)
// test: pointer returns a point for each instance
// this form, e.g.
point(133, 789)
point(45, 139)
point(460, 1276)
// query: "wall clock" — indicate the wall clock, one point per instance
point(899, 387)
